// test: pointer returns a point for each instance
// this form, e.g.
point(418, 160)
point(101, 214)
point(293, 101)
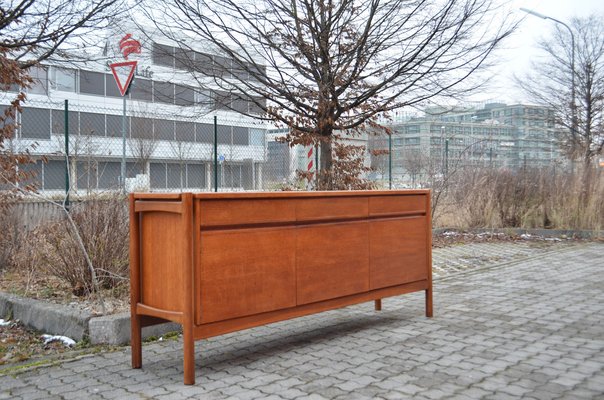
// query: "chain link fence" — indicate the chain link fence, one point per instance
point(186, 148)
point(86, 148)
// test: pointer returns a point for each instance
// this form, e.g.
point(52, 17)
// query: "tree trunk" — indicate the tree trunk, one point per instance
point(325, 156)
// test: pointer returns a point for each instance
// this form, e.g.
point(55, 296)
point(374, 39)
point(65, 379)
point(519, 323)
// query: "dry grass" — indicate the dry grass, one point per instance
point(53, 249)
point(524, 199)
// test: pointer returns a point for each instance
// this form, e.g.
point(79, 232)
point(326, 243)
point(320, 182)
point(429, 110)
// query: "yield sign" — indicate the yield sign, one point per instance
point(123, 72)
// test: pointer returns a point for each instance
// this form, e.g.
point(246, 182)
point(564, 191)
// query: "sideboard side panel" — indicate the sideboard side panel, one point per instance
point(162, 259)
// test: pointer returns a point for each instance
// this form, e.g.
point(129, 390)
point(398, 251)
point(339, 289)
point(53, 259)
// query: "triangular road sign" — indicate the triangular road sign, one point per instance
point(123, 72)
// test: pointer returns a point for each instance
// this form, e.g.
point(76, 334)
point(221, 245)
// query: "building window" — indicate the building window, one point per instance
point(141, 89)
point(63, 79)
point(204, 133)
point(222, 100)
point(240, 104)
point(163, 55)
point(163, 92)
point(111, 88)
point(35, 123)
point(92, 83)
point(114, 125)
point(204, 98)
point(92, 124)
point(222, 67)
point(184, 95)
point(196, 176)
point(141, 128)
point(39, 75)
point(54, 175)
point(184, 59)
point(164, 129)
point(175, 176)
point(241, 136)
point(185, 131)
point(224, 134)
point(58, 122)
point(256, 106)
point(257, 137)
point(108, 174)
point(203, 64)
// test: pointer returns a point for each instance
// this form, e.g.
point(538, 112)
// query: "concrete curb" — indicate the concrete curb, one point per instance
point(115, 329)
point(56, 319)
point(46, 317)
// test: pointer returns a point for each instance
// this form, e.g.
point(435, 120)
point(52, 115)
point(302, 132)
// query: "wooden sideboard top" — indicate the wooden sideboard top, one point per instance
point(284, 194)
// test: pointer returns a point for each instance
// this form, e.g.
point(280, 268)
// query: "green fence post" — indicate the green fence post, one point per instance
point(66, 113)
point(215, 153)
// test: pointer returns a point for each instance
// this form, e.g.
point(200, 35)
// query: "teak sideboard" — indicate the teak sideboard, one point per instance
point(221, 262)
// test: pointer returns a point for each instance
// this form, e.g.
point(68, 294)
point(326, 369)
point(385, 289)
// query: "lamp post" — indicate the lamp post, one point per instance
point(573, 107)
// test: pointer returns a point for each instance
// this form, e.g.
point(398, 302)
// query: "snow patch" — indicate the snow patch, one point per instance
point(66, 341)
point(5, 323)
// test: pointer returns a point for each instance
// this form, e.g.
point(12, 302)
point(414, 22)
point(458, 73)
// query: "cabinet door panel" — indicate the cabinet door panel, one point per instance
point(398, 253)
point(332, 260)
point(246, 272)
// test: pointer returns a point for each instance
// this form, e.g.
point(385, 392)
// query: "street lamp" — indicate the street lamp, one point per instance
point(573, 107)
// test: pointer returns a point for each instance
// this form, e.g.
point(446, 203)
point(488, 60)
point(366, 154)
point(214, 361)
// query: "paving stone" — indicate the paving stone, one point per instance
point(527, 329)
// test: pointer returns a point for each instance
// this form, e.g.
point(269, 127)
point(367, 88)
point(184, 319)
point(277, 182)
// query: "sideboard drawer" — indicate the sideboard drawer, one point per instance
point(224, 212)
point(331, 208)
point(392, 205)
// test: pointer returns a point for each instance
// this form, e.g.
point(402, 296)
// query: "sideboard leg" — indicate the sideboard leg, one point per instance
point(135, 342)
point(429, 303)
point(189, 356)
point(378, 305)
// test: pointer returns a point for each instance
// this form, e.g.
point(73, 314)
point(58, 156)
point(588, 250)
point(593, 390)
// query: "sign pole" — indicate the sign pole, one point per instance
point(123, 177)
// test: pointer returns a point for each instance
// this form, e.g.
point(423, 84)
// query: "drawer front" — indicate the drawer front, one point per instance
point(331, 208)
point(331, 261)
point(397, 251)
point(392, 205)
point(245, 211)
point(245, 272)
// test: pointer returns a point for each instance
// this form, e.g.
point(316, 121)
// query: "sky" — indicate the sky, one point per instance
point(516, 54)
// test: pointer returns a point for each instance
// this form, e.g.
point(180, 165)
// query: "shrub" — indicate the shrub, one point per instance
point(530, 198)
point(103, 227)
point(10, 235)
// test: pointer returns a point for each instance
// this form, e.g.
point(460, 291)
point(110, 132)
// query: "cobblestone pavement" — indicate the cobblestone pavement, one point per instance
point(530, 328)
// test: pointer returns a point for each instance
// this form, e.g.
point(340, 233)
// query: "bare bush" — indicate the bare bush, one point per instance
point(103, 227)
point(9, 236)
point(523, 199)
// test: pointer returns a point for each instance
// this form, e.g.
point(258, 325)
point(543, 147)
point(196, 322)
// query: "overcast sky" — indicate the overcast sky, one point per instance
point(518, 50)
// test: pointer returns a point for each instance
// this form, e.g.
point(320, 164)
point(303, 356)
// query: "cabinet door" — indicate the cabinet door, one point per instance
point(397, 251)
point(332, 260)
point(245, 272)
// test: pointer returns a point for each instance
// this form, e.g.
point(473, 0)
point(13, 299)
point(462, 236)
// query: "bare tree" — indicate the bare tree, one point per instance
point(335, 65)
point(33, 30)
point(574, 88)
point(551, 78)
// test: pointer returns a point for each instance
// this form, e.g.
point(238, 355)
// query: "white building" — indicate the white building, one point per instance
point(170, 111)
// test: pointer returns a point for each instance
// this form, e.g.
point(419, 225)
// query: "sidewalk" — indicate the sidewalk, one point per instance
point(529, 326)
